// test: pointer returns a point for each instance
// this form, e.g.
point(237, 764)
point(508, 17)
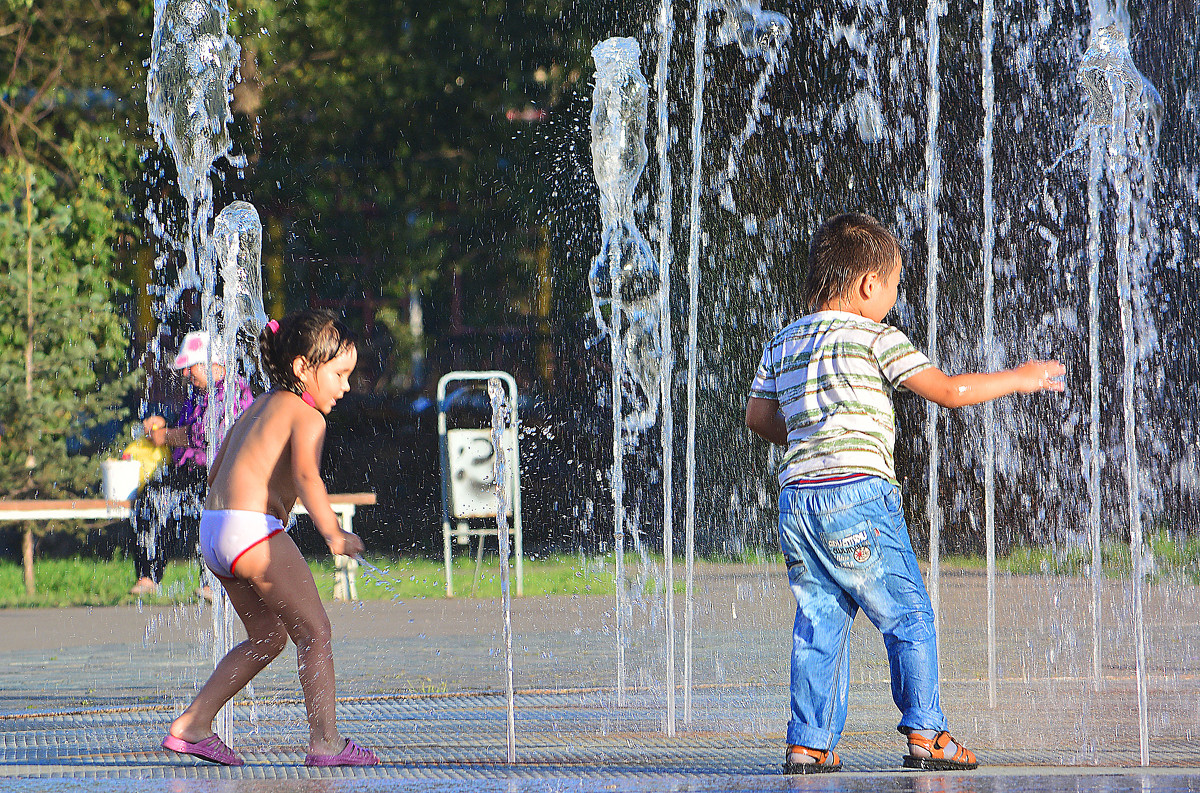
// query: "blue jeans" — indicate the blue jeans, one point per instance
point(847, 548)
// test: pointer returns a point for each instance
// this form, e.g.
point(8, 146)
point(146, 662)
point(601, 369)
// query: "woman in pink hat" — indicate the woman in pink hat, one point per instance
point(166, 513)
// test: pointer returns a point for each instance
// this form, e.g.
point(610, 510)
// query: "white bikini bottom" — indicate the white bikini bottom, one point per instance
point(226, 535)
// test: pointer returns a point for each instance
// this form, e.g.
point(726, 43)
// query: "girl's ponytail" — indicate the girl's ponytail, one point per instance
point(267, 351)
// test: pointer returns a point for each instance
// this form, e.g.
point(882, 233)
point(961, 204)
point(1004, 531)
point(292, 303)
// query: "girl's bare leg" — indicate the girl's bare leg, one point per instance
point(283, 581)
point(266, 639)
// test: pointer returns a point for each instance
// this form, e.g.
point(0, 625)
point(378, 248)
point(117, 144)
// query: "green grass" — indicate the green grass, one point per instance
point(1177, 560)
point(408, 578)
point(89, 582)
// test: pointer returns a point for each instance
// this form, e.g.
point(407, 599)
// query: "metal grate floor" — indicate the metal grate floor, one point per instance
point(462, 737)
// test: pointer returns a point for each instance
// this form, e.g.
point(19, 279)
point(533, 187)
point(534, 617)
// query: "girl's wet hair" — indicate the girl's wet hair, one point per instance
point(844, 249)
point(316, 335)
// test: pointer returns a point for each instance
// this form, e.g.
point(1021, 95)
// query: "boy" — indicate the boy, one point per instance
point(824, 390)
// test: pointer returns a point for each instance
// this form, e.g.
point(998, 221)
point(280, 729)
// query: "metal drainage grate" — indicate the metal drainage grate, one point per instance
point(463, 738)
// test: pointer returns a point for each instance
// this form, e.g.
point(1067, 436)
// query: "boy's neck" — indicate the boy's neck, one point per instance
point(843, 305)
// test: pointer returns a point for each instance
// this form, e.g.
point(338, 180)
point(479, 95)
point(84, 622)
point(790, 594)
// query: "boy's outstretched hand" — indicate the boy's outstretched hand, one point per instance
point(1040, 376)
point(955, 391)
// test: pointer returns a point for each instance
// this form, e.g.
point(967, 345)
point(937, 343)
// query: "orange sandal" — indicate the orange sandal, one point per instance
point(963, 760)
point(823, 762)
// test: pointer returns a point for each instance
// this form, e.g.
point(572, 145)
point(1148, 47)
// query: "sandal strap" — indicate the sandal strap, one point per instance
point(817, 754)
point(936, 747)
point(354, 751)
point(963, 755)
point(925, 743)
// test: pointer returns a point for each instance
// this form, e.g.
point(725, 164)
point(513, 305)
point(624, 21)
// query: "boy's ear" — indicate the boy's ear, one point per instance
point(867, 285)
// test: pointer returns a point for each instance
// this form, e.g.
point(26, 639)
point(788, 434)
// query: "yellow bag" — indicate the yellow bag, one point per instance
point(150, 456)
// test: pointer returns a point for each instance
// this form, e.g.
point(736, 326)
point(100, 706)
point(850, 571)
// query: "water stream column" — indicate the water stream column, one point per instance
point(933, 189)
point(1127, 108)
point(188, 91)
point(1120, 163)
point(618, 477)
point(502, 420)
point(989, 333)
point(624, 277)
point(757, 33)
point(1095, 174)
point(666, 34)
point(697, 143)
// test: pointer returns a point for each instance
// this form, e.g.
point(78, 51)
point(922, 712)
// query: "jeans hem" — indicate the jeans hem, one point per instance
point(922, 720)
point(812, 737)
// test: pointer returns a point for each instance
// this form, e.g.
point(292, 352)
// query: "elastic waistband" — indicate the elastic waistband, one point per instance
point(836, 496)
point(828, 481)
point(243, 514)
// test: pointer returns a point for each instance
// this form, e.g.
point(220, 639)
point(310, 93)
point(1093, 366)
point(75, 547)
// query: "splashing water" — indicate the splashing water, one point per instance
point(1125, 111)
point(1108, 72)
point(624, 276)
point(191, 75)
point(756, 32)
point(758, 109)
point(759, 34)
point(382, 578)
point(237, 244)
point(236, 247)
point(501, 421)
point(188, 96)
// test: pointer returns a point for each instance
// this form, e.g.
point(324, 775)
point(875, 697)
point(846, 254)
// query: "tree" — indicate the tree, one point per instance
point(63, 216)
point(391, 150)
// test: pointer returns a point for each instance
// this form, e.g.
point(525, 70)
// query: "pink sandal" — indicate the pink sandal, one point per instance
point(352, 754)
point(212, 749)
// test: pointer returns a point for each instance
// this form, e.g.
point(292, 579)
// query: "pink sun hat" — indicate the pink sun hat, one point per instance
point(195, 349)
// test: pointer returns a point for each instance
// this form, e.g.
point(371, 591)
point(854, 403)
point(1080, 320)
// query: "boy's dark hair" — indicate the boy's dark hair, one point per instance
point(316, 335)
point(845, 248)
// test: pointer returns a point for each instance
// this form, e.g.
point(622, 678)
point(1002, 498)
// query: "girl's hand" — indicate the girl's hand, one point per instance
point(345, 544)
point(1040, 376)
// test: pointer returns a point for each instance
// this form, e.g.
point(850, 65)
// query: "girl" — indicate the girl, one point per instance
point(269, 458)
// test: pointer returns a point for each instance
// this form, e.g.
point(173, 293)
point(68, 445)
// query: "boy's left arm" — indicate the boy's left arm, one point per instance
point(953, 391)
point(764, 419)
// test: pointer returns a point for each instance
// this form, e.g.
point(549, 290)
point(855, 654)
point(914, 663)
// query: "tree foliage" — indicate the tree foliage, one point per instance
point(64, 219)
point(386, 142)
point(389, 141)
point(62, 336)
point(68, 68)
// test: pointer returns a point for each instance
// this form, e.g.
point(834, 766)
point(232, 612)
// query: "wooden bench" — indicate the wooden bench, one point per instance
point(39, 509)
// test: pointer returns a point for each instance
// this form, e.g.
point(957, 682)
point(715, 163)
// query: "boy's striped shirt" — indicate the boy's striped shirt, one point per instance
point(833, 374)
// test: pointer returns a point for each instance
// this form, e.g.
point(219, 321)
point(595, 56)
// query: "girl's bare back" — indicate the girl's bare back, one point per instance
point(254, 469)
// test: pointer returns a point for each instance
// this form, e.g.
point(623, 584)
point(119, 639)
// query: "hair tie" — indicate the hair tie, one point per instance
point(273, 325)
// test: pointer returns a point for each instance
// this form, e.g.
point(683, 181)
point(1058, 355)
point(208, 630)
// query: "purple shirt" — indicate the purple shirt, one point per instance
point(192, 418)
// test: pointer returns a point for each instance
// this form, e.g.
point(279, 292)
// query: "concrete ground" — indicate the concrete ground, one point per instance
point(87, 693)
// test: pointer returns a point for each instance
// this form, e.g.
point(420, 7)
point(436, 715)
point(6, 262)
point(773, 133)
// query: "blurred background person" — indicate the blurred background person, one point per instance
point(166, 513)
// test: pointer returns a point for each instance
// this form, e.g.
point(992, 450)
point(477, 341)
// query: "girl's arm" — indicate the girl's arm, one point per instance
point(764, 419)
point(308, 436)
point(971, 389)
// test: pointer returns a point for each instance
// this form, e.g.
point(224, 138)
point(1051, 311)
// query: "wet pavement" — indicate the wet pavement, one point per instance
point(1018, 781)
point(86, 694)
